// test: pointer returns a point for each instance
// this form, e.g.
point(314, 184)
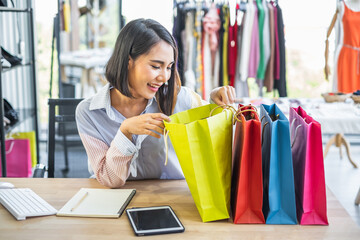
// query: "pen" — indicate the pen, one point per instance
point(80, 201)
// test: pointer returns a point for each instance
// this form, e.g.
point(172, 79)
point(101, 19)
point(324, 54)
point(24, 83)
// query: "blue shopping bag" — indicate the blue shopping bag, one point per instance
point(279, 205)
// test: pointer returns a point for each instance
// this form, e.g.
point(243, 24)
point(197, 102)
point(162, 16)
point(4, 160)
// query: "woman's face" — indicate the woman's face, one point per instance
point(149, 72)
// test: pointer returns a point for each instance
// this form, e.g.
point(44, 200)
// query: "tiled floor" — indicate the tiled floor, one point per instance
point(343, 179)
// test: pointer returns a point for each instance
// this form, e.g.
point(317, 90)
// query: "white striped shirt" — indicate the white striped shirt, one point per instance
point(112, 156)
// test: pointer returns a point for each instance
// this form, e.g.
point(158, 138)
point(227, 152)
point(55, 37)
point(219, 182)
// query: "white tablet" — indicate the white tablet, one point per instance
point(154, 220)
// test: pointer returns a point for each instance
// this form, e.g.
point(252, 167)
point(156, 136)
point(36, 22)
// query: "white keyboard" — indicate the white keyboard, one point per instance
point(23, 202)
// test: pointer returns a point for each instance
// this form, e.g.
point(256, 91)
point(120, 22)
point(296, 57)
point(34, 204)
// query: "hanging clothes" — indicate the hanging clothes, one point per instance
point(261, 21)
point(246, 41)
point(179, 26)
point(221, 42)
point(348, 67)
point(232, 50)
point(198, 37)
point(241, 87)
point(266, 39)
point(254, 46)
point(280, 83)
point(189, 51)
point(211, 26)
point(226, 15)
point(269, 75)
point(216, 51)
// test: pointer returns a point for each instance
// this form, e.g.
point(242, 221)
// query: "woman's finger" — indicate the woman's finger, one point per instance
point(233, 92)
point(230, 92)
point(151, 133)
point(224, 96)
point(160, 116)
point(155, 127)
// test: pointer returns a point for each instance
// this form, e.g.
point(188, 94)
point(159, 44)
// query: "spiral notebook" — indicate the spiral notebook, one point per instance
point(94, 202)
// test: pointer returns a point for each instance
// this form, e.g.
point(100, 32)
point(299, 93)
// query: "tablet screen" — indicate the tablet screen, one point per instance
point(154, 220)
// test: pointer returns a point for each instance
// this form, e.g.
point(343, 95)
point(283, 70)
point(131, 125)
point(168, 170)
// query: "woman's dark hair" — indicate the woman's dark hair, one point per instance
point(134, 40)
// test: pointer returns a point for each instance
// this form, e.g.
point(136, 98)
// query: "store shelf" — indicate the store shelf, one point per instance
point(22, 86)
point(16, 67)
point(9, 9)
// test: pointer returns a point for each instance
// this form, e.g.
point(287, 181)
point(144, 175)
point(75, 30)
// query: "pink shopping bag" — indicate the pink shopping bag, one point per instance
point(308, 163)
point(18, 158)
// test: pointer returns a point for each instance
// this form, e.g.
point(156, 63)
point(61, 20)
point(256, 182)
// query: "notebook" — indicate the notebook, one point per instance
point(94, 202)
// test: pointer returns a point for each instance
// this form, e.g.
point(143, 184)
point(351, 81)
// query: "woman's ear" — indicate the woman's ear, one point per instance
point(131, 62)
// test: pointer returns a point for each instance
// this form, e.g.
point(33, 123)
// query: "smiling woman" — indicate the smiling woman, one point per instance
point(121, 126)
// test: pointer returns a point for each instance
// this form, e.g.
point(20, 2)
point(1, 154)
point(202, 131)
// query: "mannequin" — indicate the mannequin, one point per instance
point(347, 55)
point(354, 5)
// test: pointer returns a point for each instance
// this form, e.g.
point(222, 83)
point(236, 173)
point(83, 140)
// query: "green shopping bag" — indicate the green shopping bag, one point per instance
point(32, 139)
point(202, 139)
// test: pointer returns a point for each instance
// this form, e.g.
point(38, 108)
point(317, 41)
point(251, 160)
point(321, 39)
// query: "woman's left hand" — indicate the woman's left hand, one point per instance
point(224, 95)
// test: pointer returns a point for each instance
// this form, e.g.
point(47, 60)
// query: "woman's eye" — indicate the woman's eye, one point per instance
point(155, 67)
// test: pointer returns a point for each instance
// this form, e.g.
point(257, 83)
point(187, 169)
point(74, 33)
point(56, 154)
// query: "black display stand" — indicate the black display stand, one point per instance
point(27, 113)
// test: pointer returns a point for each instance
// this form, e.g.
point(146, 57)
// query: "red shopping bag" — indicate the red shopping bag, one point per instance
point(247, 187)
point(308, 163)
point(18, 158)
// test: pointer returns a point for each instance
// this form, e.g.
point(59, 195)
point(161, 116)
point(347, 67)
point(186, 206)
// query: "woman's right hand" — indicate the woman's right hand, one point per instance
point(145, 124)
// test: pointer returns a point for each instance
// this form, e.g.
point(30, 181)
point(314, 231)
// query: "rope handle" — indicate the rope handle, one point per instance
point(10, 136)
point(10, 148)
point(296, 130)
point(166, 133)
point(263, 127)
point(262, 132)
point(225, 107)
point(239, 111)
point(251, 106)
point(235, 118)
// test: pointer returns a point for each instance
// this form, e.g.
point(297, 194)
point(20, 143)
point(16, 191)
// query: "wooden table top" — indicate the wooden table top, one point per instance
point(175, 193)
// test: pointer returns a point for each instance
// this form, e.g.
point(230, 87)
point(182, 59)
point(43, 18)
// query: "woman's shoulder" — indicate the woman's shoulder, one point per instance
point(84, 106)
point(97, 101)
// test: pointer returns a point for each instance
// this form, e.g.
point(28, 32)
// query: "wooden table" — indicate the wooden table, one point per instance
point(175, 193)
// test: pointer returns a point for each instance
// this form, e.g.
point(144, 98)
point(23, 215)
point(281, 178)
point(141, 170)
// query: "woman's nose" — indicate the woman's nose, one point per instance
point(164, 75)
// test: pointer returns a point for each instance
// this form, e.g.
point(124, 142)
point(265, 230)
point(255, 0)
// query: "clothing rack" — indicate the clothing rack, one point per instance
point(197, 73)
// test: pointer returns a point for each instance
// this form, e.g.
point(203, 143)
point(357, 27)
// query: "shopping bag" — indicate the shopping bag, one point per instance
point(278, 178)
point(308, 161)
point(32, 138)
point(202, 140)
point(18, 158)
point(247, 186)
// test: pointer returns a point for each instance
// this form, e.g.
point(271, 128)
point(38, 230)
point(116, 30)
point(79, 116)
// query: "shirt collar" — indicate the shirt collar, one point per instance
point(102, 100)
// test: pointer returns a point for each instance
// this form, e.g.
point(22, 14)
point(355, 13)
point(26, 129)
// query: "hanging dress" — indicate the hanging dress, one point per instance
point(348, 67)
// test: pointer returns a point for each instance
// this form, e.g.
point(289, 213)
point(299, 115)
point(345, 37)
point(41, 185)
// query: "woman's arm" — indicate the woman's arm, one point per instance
point(111, 164)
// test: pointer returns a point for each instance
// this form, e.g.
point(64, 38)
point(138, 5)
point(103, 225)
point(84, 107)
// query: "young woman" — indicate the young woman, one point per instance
point(121, 126)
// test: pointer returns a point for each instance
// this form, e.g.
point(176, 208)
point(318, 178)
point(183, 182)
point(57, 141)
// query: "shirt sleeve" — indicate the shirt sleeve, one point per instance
point(111, 164)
